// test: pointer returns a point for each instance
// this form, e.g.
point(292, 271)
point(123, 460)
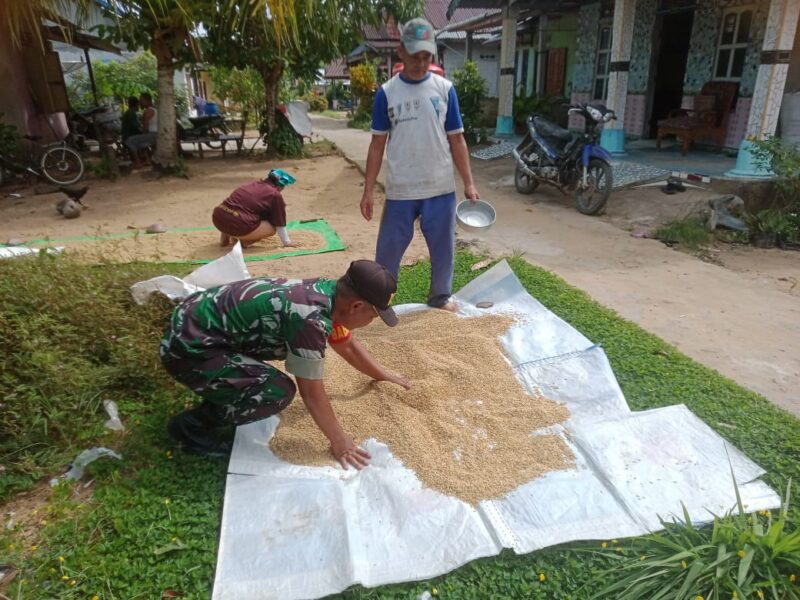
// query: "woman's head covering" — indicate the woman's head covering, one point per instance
point(280, 177)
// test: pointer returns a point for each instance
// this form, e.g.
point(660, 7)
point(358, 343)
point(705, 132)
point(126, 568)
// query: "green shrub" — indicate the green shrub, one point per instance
point(284, 141)
point(524, 106)
point(471, 89)
point(740, 556)
point(687, 232)
point(782, 159)
point(364, 84)
point(337, 91)
point(316, 102)
point(360, 121)
point(77, 338)
point(773, 220)
point(8, 137)
point(105, 168)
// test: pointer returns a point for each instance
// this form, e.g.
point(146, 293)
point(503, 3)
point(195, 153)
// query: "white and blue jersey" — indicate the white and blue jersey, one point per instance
point(418, 116)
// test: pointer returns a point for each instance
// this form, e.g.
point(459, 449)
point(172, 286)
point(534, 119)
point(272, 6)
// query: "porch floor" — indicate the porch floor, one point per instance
point(709, 162)
point(642, 163)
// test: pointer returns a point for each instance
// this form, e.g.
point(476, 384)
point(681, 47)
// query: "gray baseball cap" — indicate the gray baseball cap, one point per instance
point(418, 36)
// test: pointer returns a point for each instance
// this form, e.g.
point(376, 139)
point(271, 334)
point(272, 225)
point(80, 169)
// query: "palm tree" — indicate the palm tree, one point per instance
point(23, 19)
point(313, 33)
point(168, 28)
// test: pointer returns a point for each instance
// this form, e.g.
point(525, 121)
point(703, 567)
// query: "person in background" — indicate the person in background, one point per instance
point(218, 341)
point(254, 211)
point(416, 119)
point(200, 105)
point(130, 119)
point(141, 144)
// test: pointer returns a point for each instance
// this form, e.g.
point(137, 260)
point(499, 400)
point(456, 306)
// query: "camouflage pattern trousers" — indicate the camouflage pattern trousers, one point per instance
point(241, 388)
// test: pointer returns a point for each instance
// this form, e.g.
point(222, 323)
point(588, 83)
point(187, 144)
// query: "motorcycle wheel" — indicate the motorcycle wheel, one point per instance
point(592, 199)
point(524, 183)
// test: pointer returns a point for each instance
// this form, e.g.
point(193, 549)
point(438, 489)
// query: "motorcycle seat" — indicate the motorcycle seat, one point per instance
point(551, 130)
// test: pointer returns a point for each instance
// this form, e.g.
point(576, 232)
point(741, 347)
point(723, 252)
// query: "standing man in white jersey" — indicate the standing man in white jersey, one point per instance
point(417, 120)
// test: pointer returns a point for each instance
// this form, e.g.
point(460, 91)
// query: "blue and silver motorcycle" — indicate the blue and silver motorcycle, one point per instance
point(569, 161)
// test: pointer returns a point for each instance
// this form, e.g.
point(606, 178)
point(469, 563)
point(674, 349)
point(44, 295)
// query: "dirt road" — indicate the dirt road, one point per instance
point(740, 316)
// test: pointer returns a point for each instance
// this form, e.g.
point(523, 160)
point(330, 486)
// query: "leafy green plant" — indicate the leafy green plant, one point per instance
point(243, 87)
point(772, 154)
point(471, 89)
point(8, 137)
point(772, 220)
point(687, 232)
point(739, 556)
point(524, 106)
point(103, 168)
point(364, 84)
point(337, 91)
point(316, 102)
point(284, 141)
point(116, 80)
point(360, 121)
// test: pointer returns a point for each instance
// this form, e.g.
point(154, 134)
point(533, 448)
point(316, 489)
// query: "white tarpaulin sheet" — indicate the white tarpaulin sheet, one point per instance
point(304, 532)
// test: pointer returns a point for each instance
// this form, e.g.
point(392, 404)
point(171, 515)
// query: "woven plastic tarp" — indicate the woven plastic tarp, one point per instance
point(304, 532)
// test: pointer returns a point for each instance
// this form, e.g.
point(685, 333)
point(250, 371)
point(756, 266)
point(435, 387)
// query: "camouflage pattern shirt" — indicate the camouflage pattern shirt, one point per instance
point(263, 318)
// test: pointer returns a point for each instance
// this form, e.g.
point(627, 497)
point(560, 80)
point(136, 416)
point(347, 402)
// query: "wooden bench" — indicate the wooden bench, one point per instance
point(231, 137)
point(198, 141)
point(236, 138)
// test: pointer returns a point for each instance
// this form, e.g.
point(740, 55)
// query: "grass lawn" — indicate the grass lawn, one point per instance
point(73, 337)
point(335, 114)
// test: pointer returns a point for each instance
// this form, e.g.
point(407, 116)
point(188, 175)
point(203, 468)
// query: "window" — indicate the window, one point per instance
point(603, 61)
point(732, 48)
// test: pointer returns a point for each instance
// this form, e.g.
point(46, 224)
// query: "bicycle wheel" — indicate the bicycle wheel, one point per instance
point(62, 165)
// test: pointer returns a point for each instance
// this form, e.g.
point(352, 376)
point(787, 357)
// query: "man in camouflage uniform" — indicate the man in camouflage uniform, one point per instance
point(218, 339)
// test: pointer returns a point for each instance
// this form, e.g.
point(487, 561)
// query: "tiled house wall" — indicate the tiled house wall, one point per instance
point(703, 46)
point(585, 52)
point(699, 68)
point(642, 46)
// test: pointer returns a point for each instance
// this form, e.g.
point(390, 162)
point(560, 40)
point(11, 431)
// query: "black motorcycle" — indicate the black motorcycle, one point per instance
point(569, 161)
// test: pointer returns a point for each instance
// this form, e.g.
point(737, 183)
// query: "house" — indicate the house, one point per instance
point(462, 35)
point(35, 97)
point(647, 57)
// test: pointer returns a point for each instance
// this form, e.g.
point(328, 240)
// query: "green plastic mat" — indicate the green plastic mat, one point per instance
point(333, 242)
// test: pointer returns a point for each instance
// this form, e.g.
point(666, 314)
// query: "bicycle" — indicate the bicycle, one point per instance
point(57, 163)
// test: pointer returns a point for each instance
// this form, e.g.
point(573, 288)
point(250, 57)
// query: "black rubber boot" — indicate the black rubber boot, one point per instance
point(196, 431)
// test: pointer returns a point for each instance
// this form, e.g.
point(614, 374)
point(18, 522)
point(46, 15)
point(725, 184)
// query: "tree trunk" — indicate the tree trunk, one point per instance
point(165, 157)
point(271, 75)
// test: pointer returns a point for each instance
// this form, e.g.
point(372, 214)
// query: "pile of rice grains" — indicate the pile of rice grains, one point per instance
point(465, 426)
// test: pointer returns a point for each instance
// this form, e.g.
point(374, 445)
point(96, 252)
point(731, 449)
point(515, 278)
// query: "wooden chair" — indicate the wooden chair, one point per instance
point(708, 119)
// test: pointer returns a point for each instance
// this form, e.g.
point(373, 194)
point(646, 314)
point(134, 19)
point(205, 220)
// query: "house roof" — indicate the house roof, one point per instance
point(541, 6)
point(78, 39)
point(336, 69)
point(388, 31)
point(436, 11)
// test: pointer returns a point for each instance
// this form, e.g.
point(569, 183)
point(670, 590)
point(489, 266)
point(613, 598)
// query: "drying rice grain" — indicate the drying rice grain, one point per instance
point(465, 427)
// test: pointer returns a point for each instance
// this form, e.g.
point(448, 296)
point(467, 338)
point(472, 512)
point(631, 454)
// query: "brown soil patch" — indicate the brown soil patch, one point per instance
point(179, 246)
point(465, 427)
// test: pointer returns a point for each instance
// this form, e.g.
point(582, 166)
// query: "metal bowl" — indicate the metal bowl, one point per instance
point(476, 217)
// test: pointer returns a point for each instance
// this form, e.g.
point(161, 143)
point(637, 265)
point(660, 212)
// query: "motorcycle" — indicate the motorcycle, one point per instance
point(569, 161)
point(100, 124)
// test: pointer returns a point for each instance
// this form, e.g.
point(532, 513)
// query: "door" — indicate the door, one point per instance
point(670, 67)
point(556, 71)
